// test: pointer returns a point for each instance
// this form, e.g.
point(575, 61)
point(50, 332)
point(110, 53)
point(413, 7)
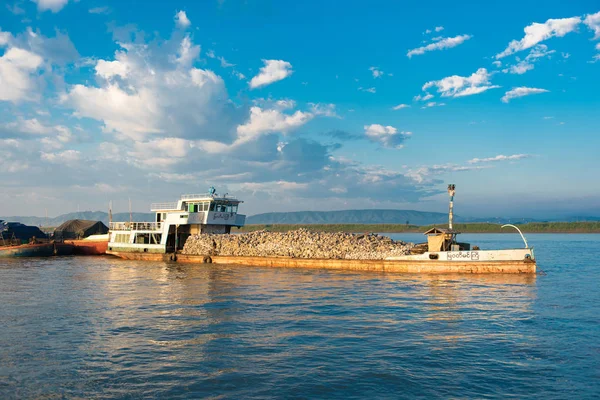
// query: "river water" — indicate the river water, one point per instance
point(107, 328)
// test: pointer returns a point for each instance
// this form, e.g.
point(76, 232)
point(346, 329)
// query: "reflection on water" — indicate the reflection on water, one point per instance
point(103, 327)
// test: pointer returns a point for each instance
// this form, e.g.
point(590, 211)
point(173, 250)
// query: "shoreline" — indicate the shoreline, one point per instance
point(529, 228)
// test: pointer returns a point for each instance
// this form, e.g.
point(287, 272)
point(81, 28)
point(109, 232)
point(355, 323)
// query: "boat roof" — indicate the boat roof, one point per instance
point(210, 197)
point(438, 231)
point(176, 205)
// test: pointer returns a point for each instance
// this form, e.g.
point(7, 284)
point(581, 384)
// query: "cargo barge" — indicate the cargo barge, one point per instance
point(28, 250)
point(163, 240)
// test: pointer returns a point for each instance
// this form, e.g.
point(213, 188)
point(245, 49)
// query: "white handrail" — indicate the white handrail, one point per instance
point(135, 226)
point(521, 233)
point(163, 206)
point(206, 196)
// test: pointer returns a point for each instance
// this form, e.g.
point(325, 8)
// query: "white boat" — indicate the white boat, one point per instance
point(442, 245)
point(209, 213)
point(175, 222)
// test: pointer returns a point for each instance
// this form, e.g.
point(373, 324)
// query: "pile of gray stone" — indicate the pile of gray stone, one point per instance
point(300, 243)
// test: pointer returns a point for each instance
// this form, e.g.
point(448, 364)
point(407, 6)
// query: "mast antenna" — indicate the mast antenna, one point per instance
point(451, 192)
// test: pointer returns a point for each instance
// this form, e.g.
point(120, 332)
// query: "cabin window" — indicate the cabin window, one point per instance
point(190, 207)
point(158, 217)
point(234, 208)
point(142, 238)
point(228, 208)
point(205, 206)
point(212, 206)
point(155, 238)
point(121, 238)
point(164, 216)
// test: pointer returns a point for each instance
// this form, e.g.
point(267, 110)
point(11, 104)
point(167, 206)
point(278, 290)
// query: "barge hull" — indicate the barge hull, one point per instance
point(89, 247)
point(399, 266)
point(28, 250)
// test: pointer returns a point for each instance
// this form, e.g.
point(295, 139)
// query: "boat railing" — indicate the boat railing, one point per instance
point(163, 206)
point(135, 226)
point(205, 195)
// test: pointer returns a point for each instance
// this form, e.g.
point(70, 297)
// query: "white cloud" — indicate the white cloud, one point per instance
point(64, 157)
point(27, 126)
point(133, 114)
point(519, 68)
point(423, 97)
point(539, 51)
point(224, 63)
point(368, 90)
point(433, 104)
point(425, 174)
point(400, 106)
point(182, 20)
point(55, 50)
point(99, 10)
point(155, 95)
point(442, 43)
point(5, 38)
point(268, 121)
point(436, 29)
point(52, 5)
point(499, 158)
point(598, 46)
point(593, 22)
point(109, 69)
point(163, 152)
point(326, 110)
point(537, 32)
point(458, 86)
point(161, 119)
point(52, 137)
point(388, 136)
point(377, 73)
point(273, 71)
point(520, 92)
point(188, 52)
point(497, 63)
point(17, 75)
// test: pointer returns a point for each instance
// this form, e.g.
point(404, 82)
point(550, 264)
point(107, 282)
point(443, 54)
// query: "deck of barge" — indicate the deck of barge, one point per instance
point(399, 266)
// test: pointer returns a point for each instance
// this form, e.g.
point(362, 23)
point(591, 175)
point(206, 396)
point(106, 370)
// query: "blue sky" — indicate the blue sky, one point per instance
point(315, 105)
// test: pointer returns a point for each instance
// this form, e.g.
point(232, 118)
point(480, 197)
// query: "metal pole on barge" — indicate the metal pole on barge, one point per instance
point(451, 192)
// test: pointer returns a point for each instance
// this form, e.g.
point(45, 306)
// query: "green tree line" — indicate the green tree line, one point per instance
point(532, 227)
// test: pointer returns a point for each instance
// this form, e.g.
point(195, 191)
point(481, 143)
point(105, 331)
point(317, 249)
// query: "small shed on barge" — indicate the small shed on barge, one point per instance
point(79, 229)
point(442, 239)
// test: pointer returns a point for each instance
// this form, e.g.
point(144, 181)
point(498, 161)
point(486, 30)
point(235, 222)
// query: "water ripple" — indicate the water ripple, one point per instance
point(101, 327)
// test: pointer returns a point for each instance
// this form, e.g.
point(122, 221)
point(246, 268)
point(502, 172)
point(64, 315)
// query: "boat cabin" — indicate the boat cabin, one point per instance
point(442, 239)
point(175, 221)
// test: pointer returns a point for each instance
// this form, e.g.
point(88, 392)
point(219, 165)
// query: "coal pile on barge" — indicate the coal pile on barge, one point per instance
point(300, 243)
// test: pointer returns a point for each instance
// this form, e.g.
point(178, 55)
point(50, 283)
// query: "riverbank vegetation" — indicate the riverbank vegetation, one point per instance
point(532, 227)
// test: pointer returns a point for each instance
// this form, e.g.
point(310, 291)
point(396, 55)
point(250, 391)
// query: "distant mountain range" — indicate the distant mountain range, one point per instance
point(89, 215)
point(353, 217)
point(305, 217)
